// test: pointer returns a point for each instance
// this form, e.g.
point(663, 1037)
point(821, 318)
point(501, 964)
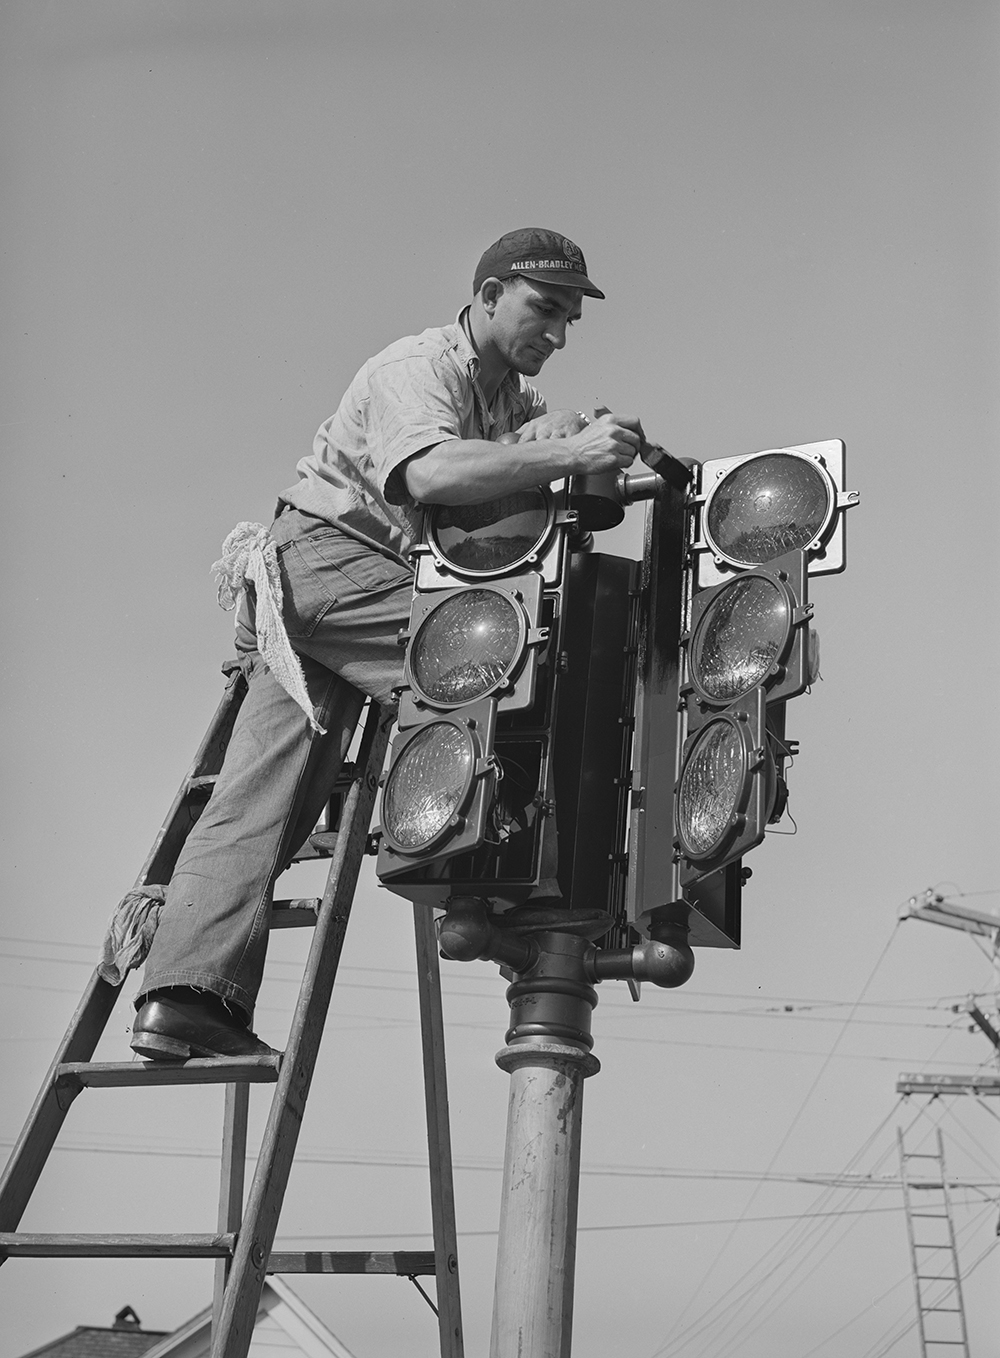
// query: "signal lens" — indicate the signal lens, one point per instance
point(711, 787)
point(494, 536)
point(741, 634)
point(767, 506)
point(466, 646)
point(427, 785)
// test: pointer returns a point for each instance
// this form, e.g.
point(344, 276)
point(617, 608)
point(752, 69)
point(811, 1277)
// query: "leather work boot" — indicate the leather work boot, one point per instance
point(179, 1023)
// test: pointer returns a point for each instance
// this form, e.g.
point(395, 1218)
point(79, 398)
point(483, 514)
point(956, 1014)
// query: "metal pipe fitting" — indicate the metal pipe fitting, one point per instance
point(466, 934)
point(644, 485)
point(553, 999)
point(667, 960)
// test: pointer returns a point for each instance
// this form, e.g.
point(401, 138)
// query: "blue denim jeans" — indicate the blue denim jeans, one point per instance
point(343, 607)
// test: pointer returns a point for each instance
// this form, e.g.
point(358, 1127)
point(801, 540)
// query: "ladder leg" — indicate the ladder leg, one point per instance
point(49, 1111)
point(932, 1289)
point(234, 1160)
point(449, 1302)
point(249, 1268)
point(953, 1247)
point(908, 1205)
point(32, 1149)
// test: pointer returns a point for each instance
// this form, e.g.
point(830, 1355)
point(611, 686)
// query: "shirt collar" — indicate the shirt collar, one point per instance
point(464, 347)
point(466, 352)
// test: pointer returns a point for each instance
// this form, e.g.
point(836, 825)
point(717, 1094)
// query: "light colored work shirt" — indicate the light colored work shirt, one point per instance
point(417, 393)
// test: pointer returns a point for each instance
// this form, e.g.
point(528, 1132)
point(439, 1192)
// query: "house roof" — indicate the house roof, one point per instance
point(124, 1339)
point(284, 1328)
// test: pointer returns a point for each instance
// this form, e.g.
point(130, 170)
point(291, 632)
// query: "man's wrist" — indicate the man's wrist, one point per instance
point(563, 455)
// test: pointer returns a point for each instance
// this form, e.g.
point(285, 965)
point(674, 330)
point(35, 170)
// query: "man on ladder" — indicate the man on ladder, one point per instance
point(324, 594)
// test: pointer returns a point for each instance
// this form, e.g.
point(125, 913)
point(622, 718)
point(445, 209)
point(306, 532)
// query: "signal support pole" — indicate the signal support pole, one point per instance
point(548, 1056)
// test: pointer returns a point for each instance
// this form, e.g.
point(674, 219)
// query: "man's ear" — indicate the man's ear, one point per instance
point(491, 292)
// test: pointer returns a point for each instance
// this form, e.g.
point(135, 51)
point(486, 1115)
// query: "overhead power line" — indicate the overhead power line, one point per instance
point(362, 1159)
point(627, 1226)
point(679, 1001)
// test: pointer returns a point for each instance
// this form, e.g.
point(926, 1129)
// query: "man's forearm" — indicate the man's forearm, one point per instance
point(468, 471)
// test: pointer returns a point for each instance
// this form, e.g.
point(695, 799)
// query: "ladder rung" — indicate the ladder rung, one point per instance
point(116, 1246)
point(297, 914)
point(951, 1309)
point(937, 1277)
point(205, 782)
point(402, 1262)
point(198, 1071)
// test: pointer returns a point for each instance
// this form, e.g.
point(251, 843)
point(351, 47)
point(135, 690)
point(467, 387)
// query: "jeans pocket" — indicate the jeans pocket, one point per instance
point(328, 568)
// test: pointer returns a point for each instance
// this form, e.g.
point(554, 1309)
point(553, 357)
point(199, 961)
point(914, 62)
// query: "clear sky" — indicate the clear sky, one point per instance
point(214, 211)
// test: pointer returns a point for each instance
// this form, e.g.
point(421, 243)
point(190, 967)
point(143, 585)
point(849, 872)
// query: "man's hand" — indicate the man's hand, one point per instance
point(466, 471)
point(609, 443)
point(557, 424)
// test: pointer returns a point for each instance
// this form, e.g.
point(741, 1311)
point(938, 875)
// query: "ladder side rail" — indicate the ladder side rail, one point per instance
point(954, 1247)
point(162, 857)
point(48, 1113)
point(86, 1027)
point(231, 1182)
point(442, 1184)
point(913, 1244)
point(250, 1261)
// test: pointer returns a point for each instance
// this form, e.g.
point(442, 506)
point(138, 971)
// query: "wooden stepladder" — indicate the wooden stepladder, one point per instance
point(243, 1242)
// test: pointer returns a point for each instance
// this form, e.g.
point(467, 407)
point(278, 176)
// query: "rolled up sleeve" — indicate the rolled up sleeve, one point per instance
point(413, 404)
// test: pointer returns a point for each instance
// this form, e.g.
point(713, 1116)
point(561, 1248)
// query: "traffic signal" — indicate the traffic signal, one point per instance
point(726, 643)
point(618, 744)
point(468, 791)
point(752, 509)
point(508, 779)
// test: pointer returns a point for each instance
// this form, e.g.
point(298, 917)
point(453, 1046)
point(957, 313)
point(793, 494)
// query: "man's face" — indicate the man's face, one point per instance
point(530, 320)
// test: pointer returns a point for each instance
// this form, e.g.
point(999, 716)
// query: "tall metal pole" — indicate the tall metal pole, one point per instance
point(548, 1056)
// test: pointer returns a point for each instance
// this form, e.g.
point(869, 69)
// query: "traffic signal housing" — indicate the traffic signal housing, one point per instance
point(467, 794)
point(725, 643)
point(750, 510)
point(567, 729)
point(508, 778)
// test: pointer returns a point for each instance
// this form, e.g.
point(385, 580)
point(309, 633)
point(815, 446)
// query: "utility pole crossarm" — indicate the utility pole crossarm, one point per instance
point(981, 1021)
point(936, 910)
point(948, 1084)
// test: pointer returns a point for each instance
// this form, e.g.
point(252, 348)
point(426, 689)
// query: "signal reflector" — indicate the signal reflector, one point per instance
point(740, 637)
point(466, 647)
point(427, 786)
point(727, 788)
point(494, 537)
point(711, 788)
point(767, 506)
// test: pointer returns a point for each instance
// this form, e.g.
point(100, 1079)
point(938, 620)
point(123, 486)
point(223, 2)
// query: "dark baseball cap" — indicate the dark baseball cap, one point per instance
point(536, 253)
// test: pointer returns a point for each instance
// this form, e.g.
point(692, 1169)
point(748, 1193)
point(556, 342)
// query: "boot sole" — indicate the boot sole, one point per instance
point(157, 1047)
